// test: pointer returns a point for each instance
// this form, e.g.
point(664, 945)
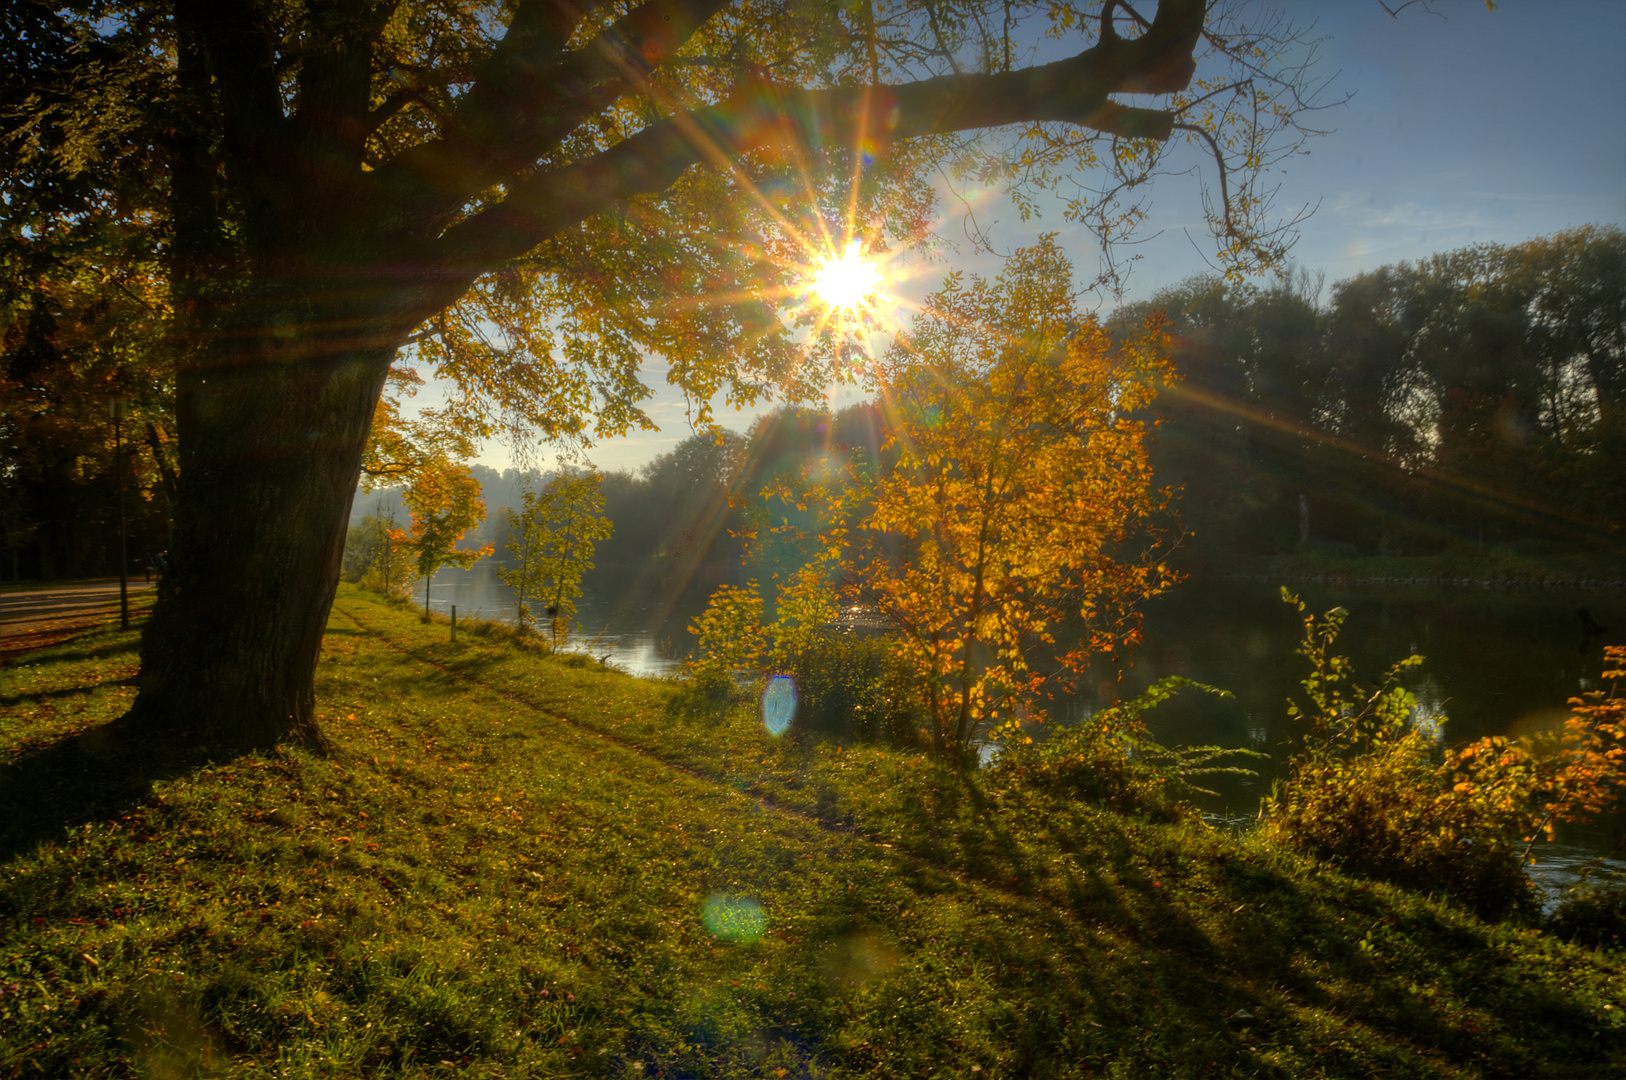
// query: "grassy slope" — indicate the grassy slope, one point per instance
point(507, 871)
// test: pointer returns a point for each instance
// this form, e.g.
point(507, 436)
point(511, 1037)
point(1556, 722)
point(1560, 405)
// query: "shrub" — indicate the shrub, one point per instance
point(1111, 760)
point(1593, 915)
point(1389, 813)
point(1366, 791)
point(731, 640)
point(857, 688)
point(846, 687)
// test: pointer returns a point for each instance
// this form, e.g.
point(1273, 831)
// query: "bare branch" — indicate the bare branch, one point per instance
point(943, 48)
point(1219, 160)
point(1394, 12)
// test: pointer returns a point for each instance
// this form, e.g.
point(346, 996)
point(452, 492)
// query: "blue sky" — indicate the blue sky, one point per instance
point(1478, 126)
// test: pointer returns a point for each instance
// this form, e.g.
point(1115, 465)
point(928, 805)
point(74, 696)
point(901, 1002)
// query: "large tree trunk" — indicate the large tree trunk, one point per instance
point(273, 420)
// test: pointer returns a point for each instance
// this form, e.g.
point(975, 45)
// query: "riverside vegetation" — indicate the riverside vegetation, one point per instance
point(517, 863)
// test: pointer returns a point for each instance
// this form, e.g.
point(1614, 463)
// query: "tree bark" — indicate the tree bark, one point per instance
point(273, 419)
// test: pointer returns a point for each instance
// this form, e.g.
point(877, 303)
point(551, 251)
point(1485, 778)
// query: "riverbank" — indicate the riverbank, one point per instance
point(524, 865)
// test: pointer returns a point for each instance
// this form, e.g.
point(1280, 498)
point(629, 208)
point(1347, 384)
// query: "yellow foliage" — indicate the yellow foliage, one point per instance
point(1014, 496)
point(553, 536)
point(445, 502)
point(729, 637)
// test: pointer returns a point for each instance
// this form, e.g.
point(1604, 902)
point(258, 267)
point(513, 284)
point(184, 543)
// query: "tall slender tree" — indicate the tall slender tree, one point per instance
point(1010, 534)
point(445, 502)
point(553, 536)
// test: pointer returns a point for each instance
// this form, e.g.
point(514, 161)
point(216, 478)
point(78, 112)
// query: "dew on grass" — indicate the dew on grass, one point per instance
point(733, 918)
point(779, 704)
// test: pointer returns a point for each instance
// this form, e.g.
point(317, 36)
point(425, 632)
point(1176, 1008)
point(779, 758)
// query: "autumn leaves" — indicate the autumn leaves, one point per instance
point(1007, 527)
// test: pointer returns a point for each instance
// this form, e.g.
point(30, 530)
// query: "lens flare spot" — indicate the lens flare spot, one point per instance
point(733, 918)
point(856, 959)
point(779, 705)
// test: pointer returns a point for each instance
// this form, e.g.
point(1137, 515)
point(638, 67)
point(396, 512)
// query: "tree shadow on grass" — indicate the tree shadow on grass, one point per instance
point(43, 659)
point(81, 690)
point(953, 824)
point(92, 776)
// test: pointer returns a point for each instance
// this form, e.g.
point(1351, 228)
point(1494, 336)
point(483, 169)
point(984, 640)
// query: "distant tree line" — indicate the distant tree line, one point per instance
point(1473, 400)
point(678, 521)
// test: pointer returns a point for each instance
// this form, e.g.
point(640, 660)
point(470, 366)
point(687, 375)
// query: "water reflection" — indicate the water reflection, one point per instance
point(642, 633)
point(1559, 867)
point(1428, 715)
point(1497, 662)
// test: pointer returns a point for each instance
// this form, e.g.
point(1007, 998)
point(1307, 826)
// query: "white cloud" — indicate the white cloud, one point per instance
point(1359, 212)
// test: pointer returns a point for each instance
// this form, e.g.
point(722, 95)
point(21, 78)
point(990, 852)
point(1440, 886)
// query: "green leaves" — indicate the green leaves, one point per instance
point(554, 534)
point(1110, 758)
point(1368, 791)
point(1342, 721)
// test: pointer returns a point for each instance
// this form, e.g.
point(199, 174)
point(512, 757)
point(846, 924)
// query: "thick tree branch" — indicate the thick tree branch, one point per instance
point(391, 105)
point(335, 76)
point(499, 131)
point(1071, 91)
point(242, 61)
point(552, 23)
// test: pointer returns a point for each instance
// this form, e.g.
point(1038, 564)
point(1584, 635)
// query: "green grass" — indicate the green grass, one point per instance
point(519, 865)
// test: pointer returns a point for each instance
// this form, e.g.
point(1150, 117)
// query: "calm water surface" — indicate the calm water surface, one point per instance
point(640, 633)
point(1497, 662)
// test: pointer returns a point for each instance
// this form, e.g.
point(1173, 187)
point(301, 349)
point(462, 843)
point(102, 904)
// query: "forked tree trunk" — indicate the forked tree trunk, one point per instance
point(274, 418)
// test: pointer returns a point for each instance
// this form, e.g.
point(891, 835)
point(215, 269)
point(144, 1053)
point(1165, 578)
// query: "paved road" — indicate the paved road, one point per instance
point(30, 618)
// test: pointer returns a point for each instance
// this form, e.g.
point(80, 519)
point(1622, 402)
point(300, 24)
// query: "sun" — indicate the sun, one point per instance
point(848, 281)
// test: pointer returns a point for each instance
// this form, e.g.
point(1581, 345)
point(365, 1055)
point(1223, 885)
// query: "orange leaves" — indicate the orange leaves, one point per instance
point(1531, 784)
point(1589, 777)
point(445, 502)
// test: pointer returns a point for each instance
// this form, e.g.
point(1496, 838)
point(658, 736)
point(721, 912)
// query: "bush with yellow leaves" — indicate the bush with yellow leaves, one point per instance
point(1369, 791)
